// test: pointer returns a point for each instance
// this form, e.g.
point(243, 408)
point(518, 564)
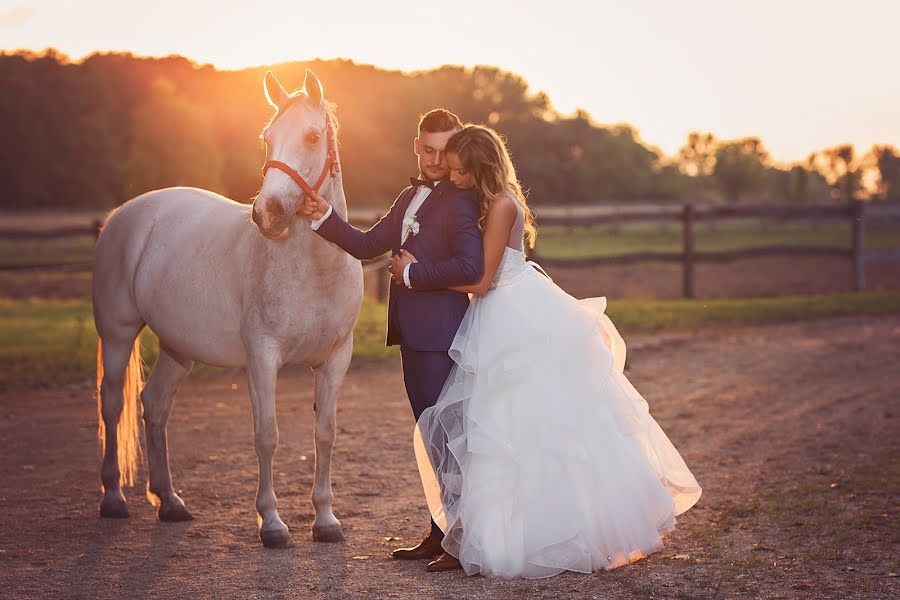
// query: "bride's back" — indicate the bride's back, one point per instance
point(516, 239)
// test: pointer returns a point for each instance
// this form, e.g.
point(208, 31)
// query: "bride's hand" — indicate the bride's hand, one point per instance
point(409, 256)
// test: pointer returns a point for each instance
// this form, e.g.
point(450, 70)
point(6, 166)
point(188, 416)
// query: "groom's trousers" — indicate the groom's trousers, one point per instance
point(424, 374)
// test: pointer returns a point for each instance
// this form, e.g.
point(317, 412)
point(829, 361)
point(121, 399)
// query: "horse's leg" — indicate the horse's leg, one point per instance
point(157, 398)
point(329, 376)
point(261, 375)
point(115, 355)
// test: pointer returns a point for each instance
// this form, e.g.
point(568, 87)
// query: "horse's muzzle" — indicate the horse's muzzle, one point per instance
point(277, 227)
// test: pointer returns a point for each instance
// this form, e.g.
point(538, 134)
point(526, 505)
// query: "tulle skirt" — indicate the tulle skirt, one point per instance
point(547, 457)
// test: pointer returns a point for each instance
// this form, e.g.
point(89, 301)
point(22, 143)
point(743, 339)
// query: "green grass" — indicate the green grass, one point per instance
point(583, 242)
point(369, 335)
point(44, 342)
point(563, 242)
point(42, 252)
point(51, 342)
point(75, 249)
point(646, 315)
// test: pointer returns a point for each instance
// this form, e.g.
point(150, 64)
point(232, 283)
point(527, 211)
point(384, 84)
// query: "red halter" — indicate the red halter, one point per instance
point(331, 164)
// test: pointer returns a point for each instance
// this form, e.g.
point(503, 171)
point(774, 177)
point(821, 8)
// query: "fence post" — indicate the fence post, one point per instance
point(858, 220)
point(687, 229)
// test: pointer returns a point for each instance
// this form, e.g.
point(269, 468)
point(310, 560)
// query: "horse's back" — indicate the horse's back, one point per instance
point(171, 212)
point(171, 206)
point(160, 233)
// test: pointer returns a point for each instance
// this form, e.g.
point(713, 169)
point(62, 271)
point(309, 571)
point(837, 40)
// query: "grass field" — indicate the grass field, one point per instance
point(559, 242)
point(582, 242)
point(34, 253)
point(54, 342)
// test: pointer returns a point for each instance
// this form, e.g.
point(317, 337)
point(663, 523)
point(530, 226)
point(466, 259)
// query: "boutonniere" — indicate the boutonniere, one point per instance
point(411, 226)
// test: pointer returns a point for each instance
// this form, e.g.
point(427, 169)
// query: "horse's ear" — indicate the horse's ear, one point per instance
point(275, 94)
point(313, 87)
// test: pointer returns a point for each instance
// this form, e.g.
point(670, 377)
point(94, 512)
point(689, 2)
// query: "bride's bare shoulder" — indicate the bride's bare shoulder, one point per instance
point(504, 206)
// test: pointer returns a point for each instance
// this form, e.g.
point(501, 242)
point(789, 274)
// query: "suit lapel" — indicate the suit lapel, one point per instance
point(409, 194)
point(432, 202)
point(434, 198)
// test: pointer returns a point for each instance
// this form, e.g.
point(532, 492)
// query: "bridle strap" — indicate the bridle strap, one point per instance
point(331, 164)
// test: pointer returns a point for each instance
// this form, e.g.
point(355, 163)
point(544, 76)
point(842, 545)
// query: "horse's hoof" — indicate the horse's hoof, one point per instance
point(277, 538)
point(329, 534)
point(174, 513)
point(113, 508)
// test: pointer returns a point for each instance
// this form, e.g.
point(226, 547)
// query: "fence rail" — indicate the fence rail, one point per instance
point(51, 234)
point(856, 213)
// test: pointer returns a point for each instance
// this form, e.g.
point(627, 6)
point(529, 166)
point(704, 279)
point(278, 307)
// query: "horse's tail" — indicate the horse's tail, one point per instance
point(128, 431)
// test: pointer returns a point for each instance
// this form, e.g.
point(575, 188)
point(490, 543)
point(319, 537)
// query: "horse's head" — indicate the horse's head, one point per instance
point(301, 153)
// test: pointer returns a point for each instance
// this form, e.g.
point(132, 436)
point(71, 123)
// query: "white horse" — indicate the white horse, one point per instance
point(192, 266)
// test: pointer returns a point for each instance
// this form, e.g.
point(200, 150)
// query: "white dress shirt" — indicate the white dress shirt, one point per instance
point(422, 193)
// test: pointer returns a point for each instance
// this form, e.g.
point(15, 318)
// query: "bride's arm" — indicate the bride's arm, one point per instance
point(499, 223)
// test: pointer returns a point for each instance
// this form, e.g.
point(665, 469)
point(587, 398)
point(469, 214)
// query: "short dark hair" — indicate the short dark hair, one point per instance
point(439, 120)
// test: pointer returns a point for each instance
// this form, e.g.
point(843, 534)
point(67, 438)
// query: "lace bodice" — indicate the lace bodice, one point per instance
point(512, 265)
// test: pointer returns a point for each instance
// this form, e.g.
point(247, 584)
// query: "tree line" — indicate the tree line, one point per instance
point(91, 134)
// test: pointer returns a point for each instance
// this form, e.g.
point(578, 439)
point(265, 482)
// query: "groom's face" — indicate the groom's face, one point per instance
point(429, 148)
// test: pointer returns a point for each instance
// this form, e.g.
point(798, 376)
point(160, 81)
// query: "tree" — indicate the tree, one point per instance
point(740, 167)
point(797, 185)
point(887, 162)
point(697, 157)
point(841, 169)
point(173, 143)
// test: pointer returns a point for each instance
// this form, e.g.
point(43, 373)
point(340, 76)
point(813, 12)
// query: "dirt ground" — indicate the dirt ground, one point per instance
point(791, 429)
point(776, 276)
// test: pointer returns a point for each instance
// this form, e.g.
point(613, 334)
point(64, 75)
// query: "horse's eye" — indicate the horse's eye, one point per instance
point(312, 138)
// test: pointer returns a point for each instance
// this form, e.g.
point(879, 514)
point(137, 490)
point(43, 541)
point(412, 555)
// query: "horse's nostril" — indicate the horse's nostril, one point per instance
point(276, 210)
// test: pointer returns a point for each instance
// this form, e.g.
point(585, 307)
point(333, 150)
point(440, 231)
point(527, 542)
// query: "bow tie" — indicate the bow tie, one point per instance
point(417, 182)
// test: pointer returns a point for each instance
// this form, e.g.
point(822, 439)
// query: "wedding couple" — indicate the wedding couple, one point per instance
point(536, 453)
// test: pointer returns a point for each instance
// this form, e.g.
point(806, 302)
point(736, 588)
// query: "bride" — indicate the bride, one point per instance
point(539, 456)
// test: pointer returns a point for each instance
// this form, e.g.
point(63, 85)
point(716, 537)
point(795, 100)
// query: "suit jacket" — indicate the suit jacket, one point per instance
point(450, 249)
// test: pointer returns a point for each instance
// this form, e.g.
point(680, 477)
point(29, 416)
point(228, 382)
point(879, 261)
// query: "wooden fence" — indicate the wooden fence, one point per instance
point(857, 213)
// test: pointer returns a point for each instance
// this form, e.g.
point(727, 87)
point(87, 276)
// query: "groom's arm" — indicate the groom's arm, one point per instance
point(467, 264)
point(361, 244)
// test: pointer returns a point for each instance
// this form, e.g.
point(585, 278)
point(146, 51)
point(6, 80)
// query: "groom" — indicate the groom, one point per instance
point(437, 223)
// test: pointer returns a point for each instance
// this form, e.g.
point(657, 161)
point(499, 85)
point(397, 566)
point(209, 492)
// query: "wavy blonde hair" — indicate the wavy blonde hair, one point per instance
point(483, 153)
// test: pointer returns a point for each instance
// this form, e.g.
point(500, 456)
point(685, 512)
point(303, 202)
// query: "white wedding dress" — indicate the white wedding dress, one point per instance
point(548, 457)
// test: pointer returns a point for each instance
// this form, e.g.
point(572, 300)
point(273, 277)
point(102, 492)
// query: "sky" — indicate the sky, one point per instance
point(800, 74)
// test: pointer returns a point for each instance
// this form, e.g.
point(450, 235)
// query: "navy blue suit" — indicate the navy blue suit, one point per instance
point(424, 319)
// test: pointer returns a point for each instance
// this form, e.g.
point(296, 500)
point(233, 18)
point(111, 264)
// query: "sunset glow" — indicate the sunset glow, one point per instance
point(800, 75)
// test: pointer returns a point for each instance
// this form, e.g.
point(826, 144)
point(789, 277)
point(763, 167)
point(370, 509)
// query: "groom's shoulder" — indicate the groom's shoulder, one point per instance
point(407, 190)
point(462, 199)
point(403, 194)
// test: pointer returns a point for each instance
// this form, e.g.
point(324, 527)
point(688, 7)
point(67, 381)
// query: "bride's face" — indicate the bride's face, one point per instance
point(458, 175)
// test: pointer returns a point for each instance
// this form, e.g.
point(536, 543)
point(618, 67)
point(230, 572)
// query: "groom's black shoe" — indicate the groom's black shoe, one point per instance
point(446, 562)
point(430, 547)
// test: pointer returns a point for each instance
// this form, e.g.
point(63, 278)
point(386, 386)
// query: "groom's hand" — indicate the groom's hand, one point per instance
point(314, 207)
point(398, 265)
point(396, 270)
